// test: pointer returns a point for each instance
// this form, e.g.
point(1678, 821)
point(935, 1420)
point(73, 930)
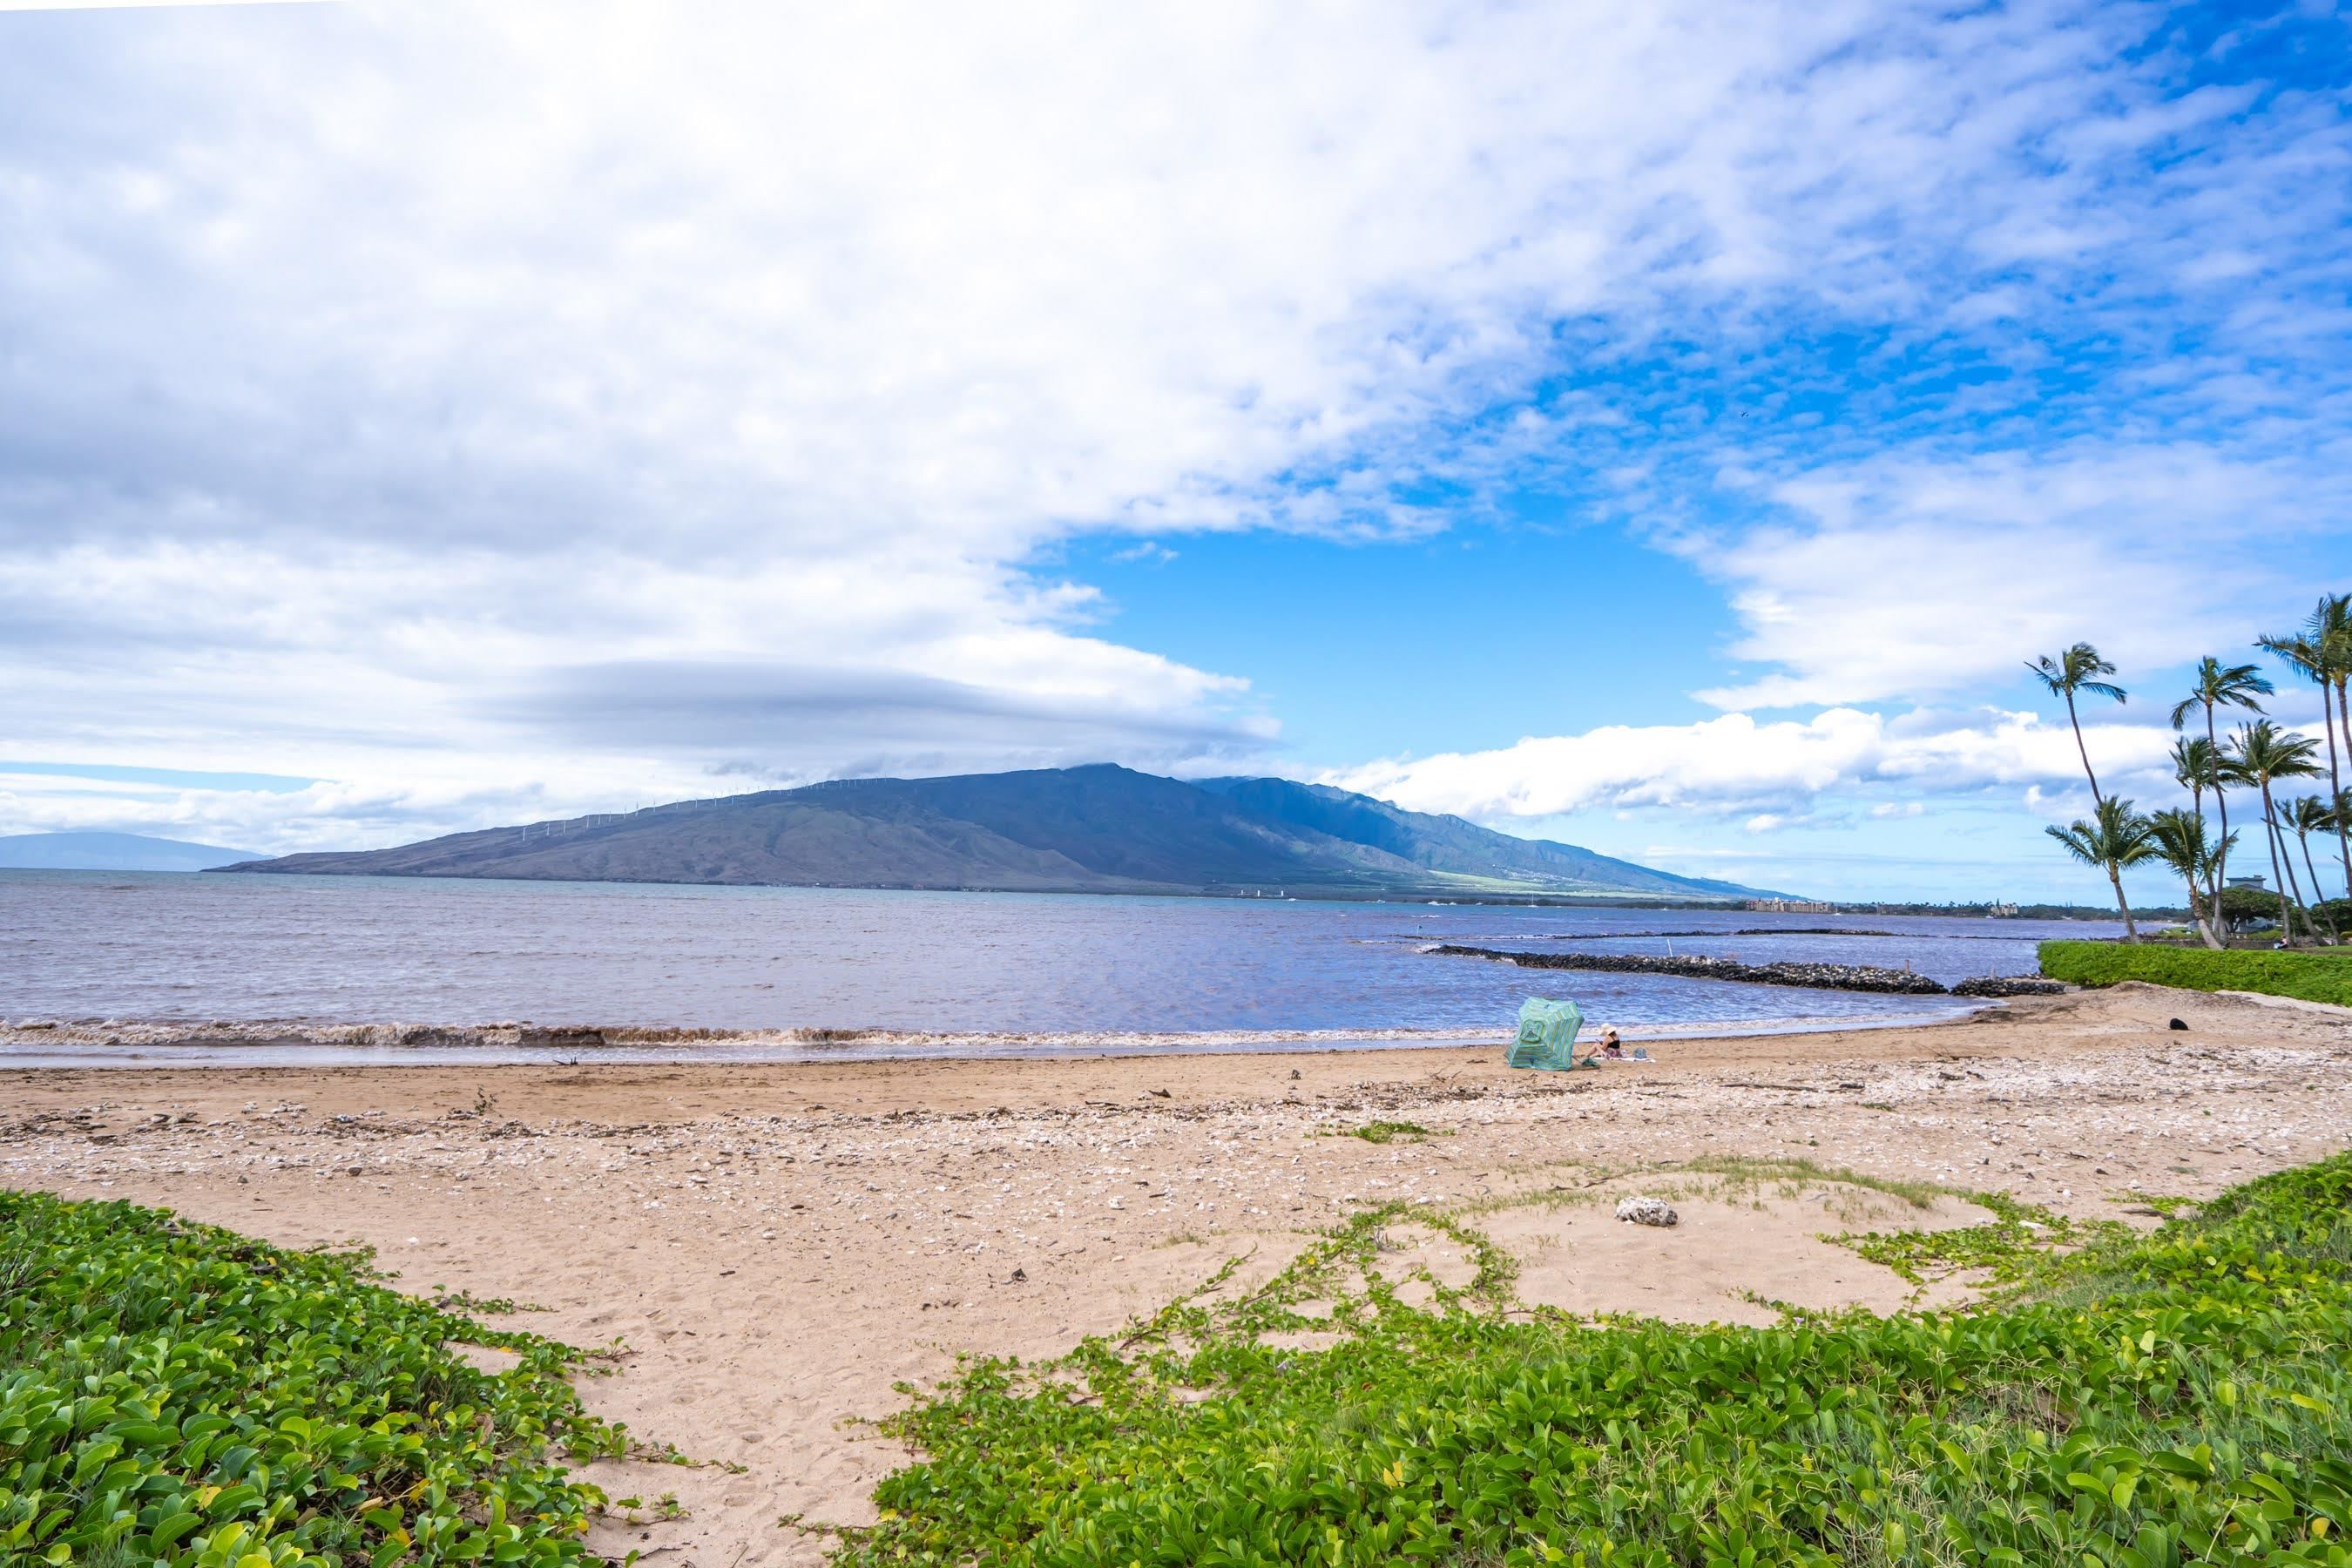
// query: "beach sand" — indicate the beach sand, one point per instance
point(773, 1248)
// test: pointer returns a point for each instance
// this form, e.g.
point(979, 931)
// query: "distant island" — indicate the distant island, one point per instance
point(1100, 829)
point(111, 852)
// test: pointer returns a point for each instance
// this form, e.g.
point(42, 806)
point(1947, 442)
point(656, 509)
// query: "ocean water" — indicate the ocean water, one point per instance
point(811, 972)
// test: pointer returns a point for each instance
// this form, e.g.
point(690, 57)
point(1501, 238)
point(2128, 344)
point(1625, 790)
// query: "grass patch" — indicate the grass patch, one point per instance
point(491, 1306)
point(2143, 1401)
point(2321, 976)
point(1792, 1175)
point(172, 1392)
point(1386, 1132)
point(2007, 1250)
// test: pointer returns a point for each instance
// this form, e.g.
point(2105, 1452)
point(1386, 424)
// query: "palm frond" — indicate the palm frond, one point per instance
point(2115, 837)
point(2183, 845)
point(2222, 685)
point(2076, 669)
point(2260, 752)
point(2307, 656)
point(2193, 762)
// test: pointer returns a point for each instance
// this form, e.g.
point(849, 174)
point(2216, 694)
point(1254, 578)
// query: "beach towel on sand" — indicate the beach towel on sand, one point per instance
point(1547, 1035)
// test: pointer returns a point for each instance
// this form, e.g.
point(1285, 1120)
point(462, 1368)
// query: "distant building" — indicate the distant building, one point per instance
point(1791, 907)
point(2256, 883)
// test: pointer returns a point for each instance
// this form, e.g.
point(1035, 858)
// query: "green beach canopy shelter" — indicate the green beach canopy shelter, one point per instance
point(1547, 1035)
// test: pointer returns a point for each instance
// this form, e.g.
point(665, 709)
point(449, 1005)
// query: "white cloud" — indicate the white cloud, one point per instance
point(1773, 770)
point(1915, 579)
point(603, 401)
point(322, 816)
point(138, 5)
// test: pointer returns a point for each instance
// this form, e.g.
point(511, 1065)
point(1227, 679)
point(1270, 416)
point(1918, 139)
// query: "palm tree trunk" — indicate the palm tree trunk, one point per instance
point(2343, 828)
point(2334, 791)
point(2269, 836)
point(2304, 839)
point(2222, 805)
point(2294, 891)
point(2295, 885)
point(2197, 914)
point(2283, 868)
point(2084, 752)
point(2131, 931)
point(2197, 800)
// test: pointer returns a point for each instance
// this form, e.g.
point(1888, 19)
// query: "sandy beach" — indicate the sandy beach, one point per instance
point(769, 1249)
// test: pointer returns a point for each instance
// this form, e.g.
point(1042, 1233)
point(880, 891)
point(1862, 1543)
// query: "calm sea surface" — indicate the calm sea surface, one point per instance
point(961, 970)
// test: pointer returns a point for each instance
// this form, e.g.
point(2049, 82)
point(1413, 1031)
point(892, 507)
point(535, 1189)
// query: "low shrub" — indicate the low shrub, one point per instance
point(174, 1394)
point(2181, 1397)
point(2321, 976)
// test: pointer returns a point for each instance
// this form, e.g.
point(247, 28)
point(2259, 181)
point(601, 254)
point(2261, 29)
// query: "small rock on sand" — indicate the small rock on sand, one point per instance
point(1648, 1211)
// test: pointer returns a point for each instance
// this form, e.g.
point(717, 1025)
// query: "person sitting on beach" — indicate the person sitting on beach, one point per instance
point(1610, 1047)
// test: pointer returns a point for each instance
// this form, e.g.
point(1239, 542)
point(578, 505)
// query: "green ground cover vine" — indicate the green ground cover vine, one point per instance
point(2139, 1402)
point(172, 1392)
point(2006, 1251)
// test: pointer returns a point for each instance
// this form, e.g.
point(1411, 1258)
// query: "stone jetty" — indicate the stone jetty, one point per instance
point(2008, 985)
point(1818, 976)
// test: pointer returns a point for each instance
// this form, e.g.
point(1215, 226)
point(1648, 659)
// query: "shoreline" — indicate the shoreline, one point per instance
point(769, 1249)
point(116, 1045)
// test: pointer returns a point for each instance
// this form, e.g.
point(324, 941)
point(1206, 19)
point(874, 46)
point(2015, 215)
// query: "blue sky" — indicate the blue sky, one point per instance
point(1668, 428)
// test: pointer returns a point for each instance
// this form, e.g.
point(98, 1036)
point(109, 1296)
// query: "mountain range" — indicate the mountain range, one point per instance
point(111, 852)
point(1088, 829)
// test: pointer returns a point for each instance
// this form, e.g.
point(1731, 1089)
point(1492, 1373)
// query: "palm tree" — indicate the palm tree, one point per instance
point(2221, 685)
point(2332, 625)
point(2180, 844)
point(2261, 753)
point(2078, 669)
point(2307, 815)
point(2112, 840)
point(2321, 653)
point(2336, 819)
point(2196, 767)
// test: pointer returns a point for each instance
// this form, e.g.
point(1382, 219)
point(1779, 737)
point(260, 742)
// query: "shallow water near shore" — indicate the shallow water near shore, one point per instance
point(288, 969)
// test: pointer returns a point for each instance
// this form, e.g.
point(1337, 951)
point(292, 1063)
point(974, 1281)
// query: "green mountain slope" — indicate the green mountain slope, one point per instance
point(1450, 843)
point(1090, 829)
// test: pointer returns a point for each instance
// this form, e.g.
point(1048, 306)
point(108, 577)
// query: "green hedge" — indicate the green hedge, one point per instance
point(174, 1394)
point(2323, 976)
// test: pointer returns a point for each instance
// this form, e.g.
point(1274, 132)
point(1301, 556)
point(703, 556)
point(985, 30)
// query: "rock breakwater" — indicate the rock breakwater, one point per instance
point(1816, 976)
point(2008, 985)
